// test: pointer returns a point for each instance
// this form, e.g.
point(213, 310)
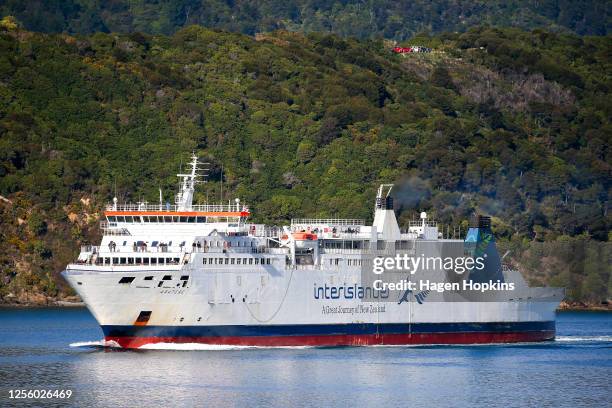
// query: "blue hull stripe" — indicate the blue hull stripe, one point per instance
point(325, 329)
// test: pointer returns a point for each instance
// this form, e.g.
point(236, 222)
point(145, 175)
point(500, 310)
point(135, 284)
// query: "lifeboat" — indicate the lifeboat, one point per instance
point(304, 236)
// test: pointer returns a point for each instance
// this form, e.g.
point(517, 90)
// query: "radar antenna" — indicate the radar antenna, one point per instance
point(184, 198)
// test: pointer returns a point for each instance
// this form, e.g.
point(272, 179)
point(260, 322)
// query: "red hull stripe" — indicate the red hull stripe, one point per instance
point(345, 340)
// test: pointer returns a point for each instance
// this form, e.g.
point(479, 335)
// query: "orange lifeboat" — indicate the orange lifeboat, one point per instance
point(304, 236)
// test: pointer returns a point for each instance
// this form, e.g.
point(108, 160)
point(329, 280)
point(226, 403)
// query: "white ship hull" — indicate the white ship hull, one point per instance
point(279, 307)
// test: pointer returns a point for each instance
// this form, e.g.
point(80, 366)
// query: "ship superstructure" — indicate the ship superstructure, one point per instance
point(205, 274)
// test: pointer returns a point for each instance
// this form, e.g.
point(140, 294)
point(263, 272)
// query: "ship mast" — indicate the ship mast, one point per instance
point(184, 198)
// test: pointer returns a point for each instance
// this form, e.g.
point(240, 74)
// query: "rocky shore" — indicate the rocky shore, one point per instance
point(581, 306)
point(40, 300)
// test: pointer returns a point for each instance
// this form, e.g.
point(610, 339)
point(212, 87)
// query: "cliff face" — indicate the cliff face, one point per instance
point(502, 122)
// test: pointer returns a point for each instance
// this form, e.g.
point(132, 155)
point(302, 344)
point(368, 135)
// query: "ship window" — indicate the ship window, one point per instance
point(170, 243)
point(232, 261)
point(201, 219)
point(107, 261)
point(148, 278)
point(130, 261)
point(168, 261)
point(129, 219)
point(183, 219)
point(145, 261)
point(124, 243)
point(153, 261)
point(138, 261)
point(184, 277)
point(268, 261)
point(120, 218)
point(122, 261)
point(167, 218)
point(126, 279)
point(203, 261)
point(115, 260)
point(111, 219)
point(256, 261)
point(190, 219)
point(167, 277)
point(226, 261)
point(176, 218)
point(238, 261)
point(144, 316)
point(176, 260)
point(250, 261)
point(154, 243)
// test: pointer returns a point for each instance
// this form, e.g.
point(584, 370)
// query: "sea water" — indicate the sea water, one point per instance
point(61, 349)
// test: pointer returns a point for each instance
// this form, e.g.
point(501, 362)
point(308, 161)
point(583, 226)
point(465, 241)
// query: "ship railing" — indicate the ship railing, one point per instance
point(90, 249)
point(236, 250)
point(358, 236)
point(174, 208)
point(366, 251)
point(266, 232)
point(344, 251)
point(327, 221)
point(428, 223)
point(110, 228)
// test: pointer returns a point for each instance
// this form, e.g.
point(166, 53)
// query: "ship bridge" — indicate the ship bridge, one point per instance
point(127, 219)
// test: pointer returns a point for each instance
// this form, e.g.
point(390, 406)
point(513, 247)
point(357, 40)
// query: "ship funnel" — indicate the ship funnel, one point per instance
point(384, 217)
point(480, 242)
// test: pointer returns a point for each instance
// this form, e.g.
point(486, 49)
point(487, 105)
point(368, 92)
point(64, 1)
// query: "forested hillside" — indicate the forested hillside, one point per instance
point(509, 123)
point(358, 18)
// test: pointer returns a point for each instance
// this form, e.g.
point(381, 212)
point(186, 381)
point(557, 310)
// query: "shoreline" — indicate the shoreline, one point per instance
point(584, 308)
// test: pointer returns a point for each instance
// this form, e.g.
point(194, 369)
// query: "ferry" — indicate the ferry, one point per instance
point(202, 273)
